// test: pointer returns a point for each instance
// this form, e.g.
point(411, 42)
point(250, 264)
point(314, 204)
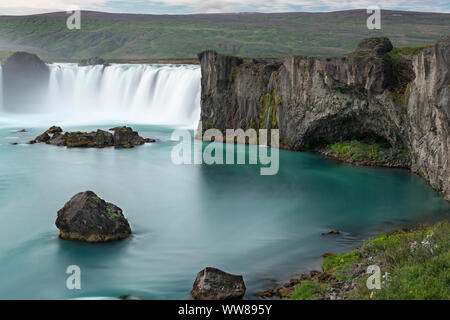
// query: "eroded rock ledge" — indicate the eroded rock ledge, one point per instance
point(87, 217)
point(123, 137)
point(318, 101)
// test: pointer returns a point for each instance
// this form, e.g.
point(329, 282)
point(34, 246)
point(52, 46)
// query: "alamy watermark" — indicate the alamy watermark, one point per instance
point(74, 280)
point(374, 280)
point(74, 20)
point(213, 153)
point(374, 20)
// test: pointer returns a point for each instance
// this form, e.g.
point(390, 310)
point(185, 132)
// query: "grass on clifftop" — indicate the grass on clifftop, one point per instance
point(417, 263)
point(375, 153)
point(406, 52)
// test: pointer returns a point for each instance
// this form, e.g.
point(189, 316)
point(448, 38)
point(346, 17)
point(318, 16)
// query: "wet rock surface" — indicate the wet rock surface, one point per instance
point(215, 284)
point(331, 233)
point(87, 217)
point(123, 137)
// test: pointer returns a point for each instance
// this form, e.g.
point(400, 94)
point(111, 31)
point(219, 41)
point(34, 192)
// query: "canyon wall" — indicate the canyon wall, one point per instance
point(314, 101)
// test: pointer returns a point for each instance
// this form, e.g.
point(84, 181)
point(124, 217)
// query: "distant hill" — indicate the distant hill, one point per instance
point(137, 36)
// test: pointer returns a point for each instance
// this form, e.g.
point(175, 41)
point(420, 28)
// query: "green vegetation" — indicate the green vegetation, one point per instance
point(405, 52)
point(209, 123)
point(270, 103)
point(399, 98)
point(416, 261)
point(373, 152)
point(408, 89)
point(112, 213)
point(307, 290)
point(96, 199)
point(248, 35)
point(340, 263)
point(5, 55)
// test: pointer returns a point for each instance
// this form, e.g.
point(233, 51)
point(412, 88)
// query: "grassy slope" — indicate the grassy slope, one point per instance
point(252, 35)
point(417, 262)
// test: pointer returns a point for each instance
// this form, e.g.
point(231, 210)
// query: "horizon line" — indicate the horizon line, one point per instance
point(215, 13)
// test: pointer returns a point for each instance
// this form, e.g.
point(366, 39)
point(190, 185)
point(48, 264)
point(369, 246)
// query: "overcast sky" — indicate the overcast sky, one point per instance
point(18, 7)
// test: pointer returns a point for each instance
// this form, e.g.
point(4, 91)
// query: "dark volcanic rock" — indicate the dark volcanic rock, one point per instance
point(104, 139)
point(88, 218)
point(380, 45)
point(316, 101)
point(25, 80)
point(214, 284)
point(79, 139)
point(42, 138)
point(58, 140)
point(54, 129)
point(332, 232)
point(92, 62)
point(124, 137)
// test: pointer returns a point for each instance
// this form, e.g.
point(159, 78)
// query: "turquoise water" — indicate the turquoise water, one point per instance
point(187, 217)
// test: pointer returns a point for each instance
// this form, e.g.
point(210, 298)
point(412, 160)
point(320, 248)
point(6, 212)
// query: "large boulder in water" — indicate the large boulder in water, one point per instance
point(215, 284)
point(25, 81)
point(87, 217)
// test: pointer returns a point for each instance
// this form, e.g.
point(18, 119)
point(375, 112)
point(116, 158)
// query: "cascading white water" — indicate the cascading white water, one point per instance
point(153, 94)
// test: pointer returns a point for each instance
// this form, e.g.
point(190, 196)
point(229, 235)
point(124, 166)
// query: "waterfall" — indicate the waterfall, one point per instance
point(147, 94)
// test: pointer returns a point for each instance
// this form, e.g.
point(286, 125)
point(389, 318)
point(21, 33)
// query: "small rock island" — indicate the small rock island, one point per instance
point(123, 137)
point(87, 217)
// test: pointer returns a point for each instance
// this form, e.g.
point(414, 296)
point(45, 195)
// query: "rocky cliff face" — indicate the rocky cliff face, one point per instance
point(25, 78)
point(314, 101)
point(428, 116)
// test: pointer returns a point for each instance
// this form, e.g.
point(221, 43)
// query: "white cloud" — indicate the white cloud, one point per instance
point(39, 6)
point(209, 6)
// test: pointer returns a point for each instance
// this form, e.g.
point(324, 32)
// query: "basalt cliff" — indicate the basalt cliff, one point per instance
point(314, 101)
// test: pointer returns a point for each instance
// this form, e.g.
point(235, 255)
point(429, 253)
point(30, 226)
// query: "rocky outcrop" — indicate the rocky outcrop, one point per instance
point(86, 217)
point(428, 116)
point(123, 137)
point(93, 62)
point(315, 101)
point(25, 79)
point(54, 129)
point(214, 284)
